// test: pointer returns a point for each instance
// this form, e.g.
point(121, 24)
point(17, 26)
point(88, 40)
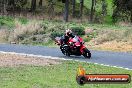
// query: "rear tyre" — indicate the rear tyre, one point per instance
point(87, 53)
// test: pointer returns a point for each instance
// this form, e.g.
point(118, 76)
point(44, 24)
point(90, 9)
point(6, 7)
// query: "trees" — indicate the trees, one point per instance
point(51, 8)
point(81, 8)
point(66, 12)
point(92, 10)
point(129, 7)
point(104, 7)
point(123, 10)
point(33, 5)
point(73, 7)
point(3, 6)
point(40, 3)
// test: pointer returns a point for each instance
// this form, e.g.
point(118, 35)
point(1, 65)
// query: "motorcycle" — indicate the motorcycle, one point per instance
point(75, 46)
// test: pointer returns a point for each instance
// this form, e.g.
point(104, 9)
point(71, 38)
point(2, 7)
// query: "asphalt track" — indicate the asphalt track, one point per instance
point(119, 59)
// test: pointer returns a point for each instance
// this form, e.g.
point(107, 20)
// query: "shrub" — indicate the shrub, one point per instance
point(108, 19)
point(90, 36)
point(23, 20)
point(7, 21)
point(53, 28)
point(78, 30)
point(56, 34)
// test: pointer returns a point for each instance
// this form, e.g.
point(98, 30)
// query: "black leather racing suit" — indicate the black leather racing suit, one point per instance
point(65, 39)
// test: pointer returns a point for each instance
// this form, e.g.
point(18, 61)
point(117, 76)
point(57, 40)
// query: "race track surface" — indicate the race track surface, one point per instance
point(119, 59)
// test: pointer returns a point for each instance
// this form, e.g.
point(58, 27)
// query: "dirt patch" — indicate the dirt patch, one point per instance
point(11, 60)
point(112, 40)
point(114, 46)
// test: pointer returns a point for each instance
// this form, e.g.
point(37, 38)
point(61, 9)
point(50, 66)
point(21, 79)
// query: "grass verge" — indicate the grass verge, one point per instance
point(55, 76)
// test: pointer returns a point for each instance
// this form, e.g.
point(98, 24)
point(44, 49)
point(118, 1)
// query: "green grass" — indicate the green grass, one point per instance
point(57, 76)
point(7, 21)
point(84, 24)
point(106, 26)
point(48, 44)
point(23, 20)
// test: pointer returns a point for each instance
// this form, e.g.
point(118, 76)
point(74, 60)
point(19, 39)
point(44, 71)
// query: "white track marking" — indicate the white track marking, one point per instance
point(50, 57)
point(33, 55)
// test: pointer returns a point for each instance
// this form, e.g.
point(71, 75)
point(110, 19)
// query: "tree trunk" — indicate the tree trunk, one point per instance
point(66, 12)
point(11, 4)
point(51, 9)
point(5, 6)
point(40, 3)
point(92, 11)
point(104, 7)
point(0, 8)
point(131, 17)
point(73, 8)
point(33, 5)
point(81, 8)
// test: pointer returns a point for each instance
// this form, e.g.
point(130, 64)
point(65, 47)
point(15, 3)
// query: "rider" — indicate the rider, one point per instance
point(68, 34)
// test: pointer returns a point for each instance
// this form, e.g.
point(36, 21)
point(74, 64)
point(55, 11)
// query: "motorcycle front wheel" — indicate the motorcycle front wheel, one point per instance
point(86, 53)
point(65, 51)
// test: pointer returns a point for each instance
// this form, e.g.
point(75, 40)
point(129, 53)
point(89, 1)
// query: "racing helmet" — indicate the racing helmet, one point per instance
point(68, 32)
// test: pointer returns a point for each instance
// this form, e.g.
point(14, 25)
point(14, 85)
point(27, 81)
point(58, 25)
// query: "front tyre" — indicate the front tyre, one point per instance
point(65, 51)
point(86, 53)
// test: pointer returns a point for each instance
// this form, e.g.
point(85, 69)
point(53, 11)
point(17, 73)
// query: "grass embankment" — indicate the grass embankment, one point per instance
point(42, 32)
point(114, 38)
point(55, 76)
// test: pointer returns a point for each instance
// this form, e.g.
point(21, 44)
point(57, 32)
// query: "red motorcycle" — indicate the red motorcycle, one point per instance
point(75, 46)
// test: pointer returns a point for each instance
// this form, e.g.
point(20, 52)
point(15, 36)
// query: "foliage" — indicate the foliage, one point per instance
point(37, 32)
point(120, 10)
point(56, 34)
point(7, 21)
point(108, 19)
point(90, 36)
point(50, 8)
point(23, 20)
point(123, 10)
point(78, 30)
point(53, 28)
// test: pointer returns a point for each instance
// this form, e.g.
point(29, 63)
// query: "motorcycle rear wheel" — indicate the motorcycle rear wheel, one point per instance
point(87, 53)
